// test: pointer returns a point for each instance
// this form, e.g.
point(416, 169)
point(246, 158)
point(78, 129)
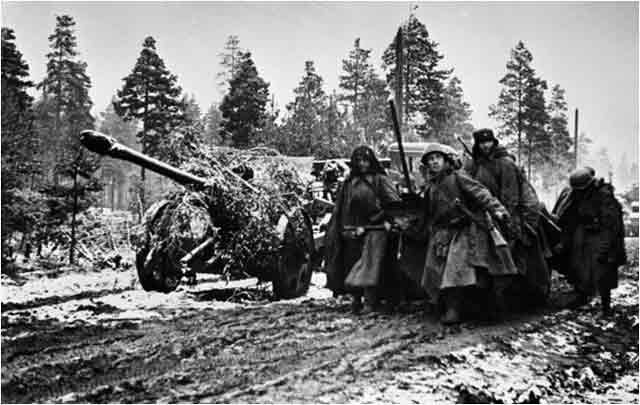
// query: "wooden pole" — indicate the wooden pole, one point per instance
point(399, 76)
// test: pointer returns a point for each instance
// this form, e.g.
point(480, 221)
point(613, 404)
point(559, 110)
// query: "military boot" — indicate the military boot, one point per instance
point(452, 307)
point(606, 302)
point(580, 300)
point(356, 304)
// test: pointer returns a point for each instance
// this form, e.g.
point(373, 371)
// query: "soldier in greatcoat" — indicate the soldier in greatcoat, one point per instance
point(357, 238)
point(459, 249)
point(496, 169)
point(591, 249)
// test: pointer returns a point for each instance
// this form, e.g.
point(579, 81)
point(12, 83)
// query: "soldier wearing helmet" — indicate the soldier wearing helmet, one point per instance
point(497, 170)
point(590, 250)
point(458, 254)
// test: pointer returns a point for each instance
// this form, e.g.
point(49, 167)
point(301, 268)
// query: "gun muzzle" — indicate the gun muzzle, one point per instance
point(97, 142)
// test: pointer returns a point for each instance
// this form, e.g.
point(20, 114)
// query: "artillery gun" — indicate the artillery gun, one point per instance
point(196, 231)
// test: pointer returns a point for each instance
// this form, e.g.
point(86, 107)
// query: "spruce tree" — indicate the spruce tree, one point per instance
point(356, 69)
point(19, 140)
point(150, 94)
point(373, 111)
point(19, 146)
point(244, 107)
point(304, 124)
point(423, 79)
point(561, 157)
point(66, 89)
point(458, 114)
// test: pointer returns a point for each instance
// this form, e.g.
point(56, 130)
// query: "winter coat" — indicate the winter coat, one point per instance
point(457, 244)
point(500, 174)
point(591, 249)
point(356, 262)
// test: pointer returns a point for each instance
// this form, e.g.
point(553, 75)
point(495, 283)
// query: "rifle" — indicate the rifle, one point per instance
point(502, 248)
point(396, 130)
point(464, 145)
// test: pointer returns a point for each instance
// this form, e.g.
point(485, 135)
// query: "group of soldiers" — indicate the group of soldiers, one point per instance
point(483, 236)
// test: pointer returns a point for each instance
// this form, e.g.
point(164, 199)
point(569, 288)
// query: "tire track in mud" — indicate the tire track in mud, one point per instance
point(512, 362)
point(41, 302)
point(164, 345)
point(311, 351)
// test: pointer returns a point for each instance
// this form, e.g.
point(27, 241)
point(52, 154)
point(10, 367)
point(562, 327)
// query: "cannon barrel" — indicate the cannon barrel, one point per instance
point(105, 145)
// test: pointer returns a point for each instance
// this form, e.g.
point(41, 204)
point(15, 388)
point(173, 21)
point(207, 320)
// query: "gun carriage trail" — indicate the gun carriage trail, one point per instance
point(95, 336)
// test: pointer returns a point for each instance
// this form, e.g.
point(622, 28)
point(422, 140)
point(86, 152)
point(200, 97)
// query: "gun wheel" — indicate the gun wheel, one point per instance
point(295, 262)
point(154, 277)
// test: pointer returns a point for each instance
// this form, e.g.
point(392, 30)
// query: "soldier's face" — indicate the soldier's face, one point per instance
point(435, 162)
point(364, 165)
point(486, 147)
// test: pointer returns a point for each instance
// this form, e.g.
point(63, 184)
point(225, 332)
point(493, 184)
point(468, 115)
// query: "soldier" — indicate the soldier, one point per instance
point(356, 256)
point(496, 169)
point(331, 174)
point(458, 248)
point(591, 248)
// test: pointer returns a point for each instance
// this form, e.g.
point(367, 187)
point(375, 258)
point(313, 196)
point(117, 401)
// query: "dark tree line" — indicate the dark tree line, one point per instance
point(48, 178)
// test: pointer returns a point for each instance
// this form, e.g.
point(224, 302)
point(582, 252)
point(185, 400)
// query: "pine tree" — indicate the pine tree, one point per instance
point(561, 157)
point(150, 93)
point(458, 114)
point(520, 110)
point(66, 87)
point(373, 110)
point(539, 144)
point(423, 79)
point(230, 60)
point(244, 108)
point(304, 124)
point(357, 69)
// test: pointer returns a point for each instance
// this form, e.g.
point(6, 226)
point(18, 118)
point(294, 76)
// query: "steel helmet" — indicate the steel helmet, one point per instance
point(435, 147)
point(581, 179)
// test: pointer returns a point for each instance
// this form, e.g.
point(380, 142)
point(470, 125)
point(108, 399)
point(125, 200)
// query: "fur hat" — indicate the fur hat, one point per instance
point(484, 135)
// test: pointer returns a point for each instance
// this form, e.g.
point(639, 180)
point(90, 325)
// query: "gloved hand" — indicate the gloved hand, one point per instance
point(503, 217)
point(387, 226)
point(360, 231)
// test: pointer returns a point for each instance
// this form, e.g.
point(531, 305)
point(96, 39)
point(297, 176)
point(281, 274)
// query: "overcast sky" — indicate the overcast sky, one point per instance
point(590, 49)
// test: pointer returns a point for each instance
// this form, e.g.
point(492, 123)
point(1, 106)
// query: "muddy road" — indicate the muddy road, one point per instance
point(85, 336)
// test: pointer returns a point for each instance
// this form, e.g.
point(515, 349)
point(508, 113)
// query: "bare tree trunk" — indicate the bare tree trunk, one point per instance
point(529, 161)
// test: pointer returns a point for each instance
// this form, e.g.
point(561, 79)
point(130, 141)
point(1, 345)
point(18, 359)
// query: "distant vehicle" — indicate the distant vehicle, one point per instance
point(413, 152)
point(631, 222)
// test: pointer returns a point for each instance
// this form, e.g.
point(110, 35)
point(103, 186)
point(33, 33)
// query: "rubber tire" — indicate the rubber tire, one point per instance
point(150, 281)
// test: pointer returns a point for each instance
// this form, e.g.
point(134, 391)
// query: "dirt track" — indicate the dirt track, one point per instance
point(118, 344)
